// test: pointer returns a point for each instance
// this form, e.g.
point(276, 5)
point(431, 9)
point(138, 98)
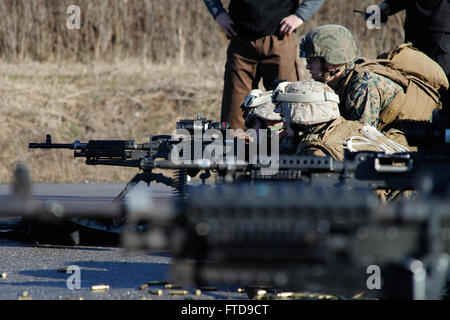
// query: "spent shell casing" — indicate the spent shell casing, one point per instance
point(25, 296)
point(305, 295)
point(327, 296)
point(285, 294)
point(178, 292)
point(157, 283)
point(143, 287)
point(100, 287)
point(358, 295)
point(172, 286)
point(261, 292)
point(158, 292)
point(3, 275)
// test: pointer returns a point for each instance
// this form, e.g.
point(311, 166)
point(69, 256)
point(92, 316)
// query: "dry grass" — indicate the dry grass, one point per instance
point(110, 29)
point(127, 100)
point(154, 30)
point(134, 69)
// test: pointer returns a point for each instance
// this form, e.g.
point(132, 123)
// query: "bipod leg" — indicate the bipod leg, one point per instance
point(160, 178)
point(130, 186)
point(147, 177)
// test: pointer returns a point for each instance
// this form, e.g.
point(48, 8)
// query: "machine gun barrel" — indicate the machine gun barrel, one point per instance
point(92, 144)
point(49, 145)
point(124, 153)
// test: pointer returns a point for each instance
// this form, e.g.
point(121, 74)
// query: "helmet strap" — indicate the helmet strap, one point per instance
point(328, 74)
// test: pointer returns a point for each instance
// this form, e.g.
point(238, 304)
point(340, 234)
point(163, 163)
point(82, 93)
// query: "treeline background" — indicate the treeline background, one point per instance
point(155, 30)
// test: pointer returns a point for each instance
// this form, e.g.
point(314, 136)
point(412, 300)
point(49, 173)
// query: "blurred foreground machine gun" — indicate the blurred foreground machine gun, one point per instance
point(322, 230)
point(278, 236)
point(328, 233)
point(285, 236)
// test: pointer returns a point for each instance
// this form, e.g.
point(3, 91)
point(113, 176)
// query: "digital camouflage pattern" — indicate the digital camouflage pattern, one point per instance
point(334, 43)
point(319, 102)
point(365, 96)
point(260, 106)
point(265, 112)
point(304, 113)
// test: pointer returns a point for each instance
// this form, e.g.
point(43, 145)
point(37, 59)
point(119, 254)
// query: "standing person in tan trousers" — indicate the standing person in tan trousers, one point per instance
point(262, 46)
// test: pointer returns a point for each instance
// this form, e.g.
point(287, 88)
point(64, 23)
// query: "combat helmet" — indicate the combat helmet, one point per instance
point(306, 102)
point(258, 105)
point(334, 43)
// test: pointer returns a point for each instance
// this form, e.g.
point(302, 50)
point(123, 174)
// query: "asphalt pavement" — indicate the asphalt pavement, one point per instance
point(38, 272)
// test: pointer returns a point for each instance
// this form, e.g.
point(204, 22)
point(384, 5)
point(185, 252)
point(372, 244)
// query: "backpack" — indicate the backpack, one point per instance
point(420, 77)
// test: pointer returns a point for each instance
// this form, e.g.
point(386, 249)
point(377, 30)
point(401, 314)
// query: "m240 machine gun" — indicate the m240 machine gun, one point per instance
point(409, 171)
point(147, 156)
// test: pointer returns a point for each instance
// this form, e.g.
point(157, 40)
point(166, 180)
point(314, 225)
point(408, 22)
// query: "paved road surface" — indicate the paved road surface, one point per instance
point(34, 268)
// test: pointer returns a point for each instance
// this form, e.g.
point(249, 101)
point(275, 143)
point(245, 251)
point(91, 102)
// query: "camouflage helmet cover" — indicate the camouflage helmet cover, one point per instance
point(334, 43)
point(306, 102)
point(260, 106)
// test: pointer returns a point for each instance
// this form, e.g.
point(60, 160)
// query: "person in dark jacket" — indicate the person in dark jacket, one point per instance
point(427, 27)
point(262, 46)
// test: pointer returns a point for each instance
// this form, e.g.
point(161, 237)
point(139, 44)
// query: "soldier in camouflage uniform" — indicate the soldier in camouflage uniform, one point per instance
point(312, 107)
point(259, 114)
point(331, 56)
point(258, 111)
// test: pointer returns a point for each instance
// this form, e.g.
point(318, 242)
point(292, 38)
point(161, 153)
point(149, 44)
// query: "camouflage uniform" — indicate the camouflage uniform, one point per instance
point(313, 95)
point(256, 107)
point(326, 140)
point(365, 95)
point(328, 133)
